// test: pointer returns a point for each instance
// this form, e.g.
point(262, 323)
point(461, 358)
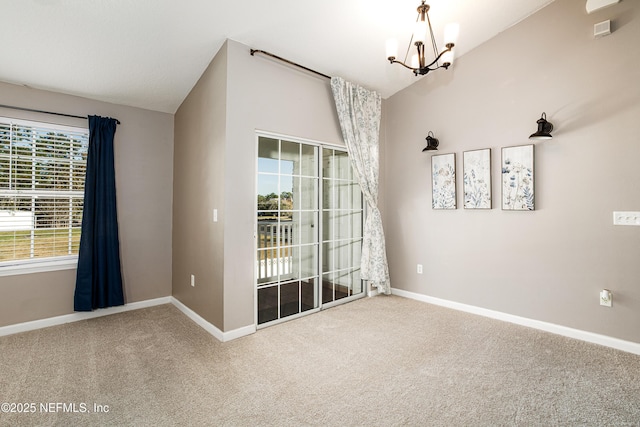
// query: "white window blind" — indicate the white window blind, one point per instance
point(42, 172)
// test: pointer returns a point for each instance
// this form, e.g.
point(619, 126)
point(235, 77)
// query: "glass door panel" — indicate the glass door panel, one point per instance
point(327, 288)
point(268, 154)
point(342, 228)
point(267, 304)
point(289, 158)
point(309, 160)
point(289, 299)
point(308, 294)
point(307, 190)
point(309, 229)
point(287, 232)
point(342, 284)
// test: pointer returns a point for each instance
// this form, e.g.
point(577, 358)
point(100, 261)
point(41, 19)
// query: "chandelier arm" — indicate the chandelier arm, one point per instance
point(394, 61)
point(438, 58)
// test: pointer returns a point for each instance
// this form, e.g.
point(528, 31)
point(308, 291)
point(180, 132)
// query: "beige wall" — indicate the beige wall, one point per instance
point(268, 96)
point(143, 161)
point(215, 167)
point(262, 95)
point(198, 188)
point(550, 264)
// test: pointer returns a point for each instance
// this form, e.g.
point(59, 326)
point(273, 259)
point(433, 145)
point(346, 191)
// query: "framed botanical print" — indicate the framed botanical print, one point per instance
point(443, 180)
point(518, 178)
point(476, 166)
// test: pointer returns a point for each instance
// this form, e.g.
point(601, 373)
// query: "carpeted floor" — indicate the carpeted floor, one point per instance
point(380, 361)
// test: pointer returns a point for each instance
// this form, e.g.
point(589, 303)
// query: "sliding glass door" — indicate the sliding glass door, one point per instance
point(342, 228)
point(308, 231)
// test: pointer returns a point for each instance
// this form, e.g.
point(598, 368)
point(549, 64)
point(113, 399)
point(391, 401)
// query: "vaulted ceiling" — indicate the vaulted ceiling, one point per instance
point(150, 53)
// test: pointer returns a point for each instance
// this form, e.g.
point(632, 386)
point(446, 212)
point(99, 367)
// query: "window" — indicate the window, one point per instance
point(42, 171)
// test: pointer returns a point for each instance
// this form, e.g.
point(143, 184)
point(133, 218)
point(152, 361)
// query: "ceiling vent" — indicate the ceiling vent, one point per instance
point(594, 5)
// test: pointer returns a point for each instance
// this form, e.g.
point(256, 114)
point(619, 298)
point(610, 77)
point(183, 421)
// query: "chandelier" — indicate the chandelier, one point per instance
point(419, 63)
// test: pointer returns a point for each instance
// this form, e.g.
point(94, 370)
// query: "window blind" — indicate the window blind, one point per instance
point(42, 172)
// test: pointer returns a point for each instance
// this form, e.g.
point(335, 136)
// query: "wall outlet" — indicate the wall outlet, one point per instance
point(419, 269)
point(626, 218)
point(193, 280)
point(606, 297)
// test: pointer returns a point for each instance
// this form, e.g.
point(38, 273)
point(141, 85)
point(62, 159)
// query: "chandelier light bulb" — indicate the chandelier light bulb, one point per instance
point(392, 48)
point(447, 58)
point(420, 33)
point(415, 61)
point(451, 32)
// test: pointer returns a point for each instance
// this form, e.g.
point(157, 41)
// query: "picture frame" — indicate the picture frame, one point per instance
point(443, 181)
point(518, 178)
point(476, 168)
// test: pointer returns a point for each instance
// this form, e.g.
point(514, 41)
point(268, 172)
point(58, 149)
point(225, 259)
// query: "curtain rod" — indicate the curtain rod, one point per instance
point(48, 112)
point(289, 62)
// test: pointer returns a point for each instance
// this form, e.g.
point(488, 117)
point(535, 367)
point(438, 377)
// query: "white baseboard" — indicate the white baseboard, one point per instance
point(239, 333)
point(628, 346)
point(74, 317)
point(209, 327)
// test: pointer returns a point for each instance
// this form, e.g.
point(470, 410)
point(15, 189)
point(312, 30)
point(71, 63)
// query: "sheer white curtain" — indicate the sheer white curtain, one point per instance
point(359, 115)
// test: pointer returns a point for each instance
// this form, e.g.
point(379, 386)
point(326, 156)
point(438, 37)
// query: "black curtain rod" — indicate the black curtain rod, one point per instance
point(289, 62)
point(47, 112)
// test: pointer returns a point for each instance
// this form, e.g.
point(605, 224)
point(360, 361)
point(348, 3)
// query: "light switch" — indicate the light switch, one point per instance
point(626, 218)
point(215, 215)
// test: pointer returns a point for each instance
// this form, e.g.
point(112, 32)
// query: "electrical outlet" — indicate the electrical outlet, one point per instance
point(419, 269)
point(626, 218)
point(193, 280)
point(606, 297)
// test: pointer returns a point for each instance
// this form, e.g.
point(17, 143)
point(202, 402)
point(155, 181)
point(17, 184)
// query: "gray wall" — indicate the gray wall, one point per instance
point(198, 188)
point(143, 162)
point(260, 94)
point(550, 264)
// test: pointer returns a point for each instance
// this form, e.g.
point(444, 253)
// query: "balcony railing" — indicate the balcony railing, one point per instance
point(275, 257)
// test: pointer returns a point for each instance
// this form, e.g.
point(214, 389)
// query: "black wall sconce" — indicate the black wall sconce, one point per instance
point(432, 143)
point(544, 129)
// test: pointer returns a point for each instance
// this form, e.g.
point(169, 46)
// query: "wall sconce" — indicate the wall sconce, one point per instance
point(544, 129)
point(593, 5)
point(432, 143)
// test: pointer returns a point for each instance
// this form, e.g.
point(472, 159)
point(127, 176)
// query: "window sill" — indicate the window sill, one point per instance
point(39, 266)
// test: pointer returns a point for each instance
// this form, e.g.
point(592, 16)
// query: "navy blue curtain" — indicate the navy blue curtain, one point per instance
point(99, 279)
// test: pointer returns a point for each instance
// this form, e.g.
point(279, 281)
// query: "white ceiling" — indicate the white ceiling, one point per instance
point(150, 53)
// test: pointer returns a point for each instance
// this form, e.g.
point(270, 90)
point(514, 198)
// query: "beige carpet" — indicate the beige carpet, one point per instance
point(380, 361)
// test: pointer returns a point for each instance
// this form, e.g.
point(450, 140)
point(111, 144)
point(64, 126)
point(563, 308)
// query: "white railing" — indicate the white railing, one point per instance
point(272, 267)
point(275, 256)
